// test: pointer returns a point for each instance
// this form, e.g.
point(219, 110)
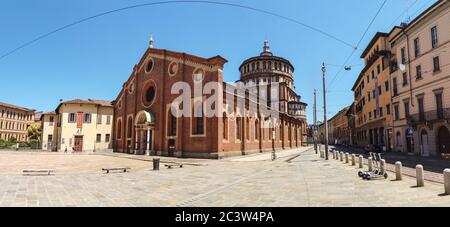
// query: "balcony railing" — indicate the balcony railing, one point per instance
point(429, 116)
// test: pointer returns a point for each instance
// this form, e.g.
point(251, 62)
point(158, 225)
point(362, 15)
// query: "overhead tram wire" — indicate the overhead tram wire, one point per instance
point(177, 2)
point(359, 43)
point(405, 11)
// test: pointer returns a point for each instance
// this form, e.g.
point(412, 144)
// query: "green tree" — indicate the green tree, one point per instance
point(34, 134)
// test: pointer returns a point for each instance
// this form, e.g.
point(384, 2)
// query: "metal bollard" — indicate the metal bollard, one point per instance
point(346, 158)
point(156, 164)
point(447, 181)
point(370, 164)
point(419, 176)
point(398, 171)
point(353, 159)
point(361, 160)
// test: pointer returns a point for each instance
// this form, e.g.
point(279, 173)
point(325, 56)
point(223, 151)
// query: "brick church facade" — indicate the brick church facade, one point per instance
point(145, 123)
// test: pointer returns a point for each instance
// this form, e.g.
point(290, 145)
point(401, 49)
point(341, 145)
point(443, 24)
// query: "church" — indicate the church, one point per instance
point(260, 113)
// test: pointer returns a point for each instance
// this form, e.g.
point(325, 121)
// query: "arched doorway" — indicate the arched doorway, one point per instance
point(443, 141)
point(144, 133)
point(424, 147)
point(409, 141)
point(398, 139)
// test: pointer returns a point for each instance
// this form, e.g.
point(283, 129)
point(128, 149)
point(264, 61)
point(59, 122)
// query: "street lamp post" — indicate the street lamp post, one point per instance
point(325, 111)
point(315, 123)
point(273, 156)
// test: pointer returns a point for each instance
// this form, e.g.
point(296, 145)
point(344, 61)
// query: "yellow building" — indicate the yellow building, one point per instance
point(421, 82)
point(14, 122)
point(339, 129)
point(78, 125)
point(373, 122)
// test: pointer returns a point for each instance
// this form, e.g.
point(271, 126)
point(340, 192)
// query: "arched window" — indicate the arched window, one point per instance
point(130, 127)
point(119, 129)
point(290, 132)
point(238, 129)
point(172, 124)
point(198, 128)
point(256, 130)
point(247, 129)
point(281, 131)
point(225, 126)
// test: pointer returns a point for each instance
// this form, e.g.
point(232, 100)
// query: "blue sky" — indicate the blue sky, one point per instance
point(93, 59)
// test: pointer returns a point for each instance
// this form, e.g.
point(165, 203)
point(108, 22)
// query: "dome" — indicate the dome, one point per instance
point(266, 68)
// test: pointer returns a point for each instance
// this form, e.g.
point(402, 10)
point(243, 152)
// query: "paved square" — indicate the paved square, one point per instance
point(298, 178)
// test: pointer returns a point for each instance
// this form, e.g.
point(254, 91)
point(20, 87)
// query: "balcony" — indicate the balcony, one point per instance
point(429, 116)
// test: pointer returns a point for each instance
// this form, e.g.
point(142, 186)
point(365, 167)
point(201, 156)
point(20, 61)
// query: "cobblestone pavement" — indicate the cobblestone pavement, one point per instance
point(300, 179)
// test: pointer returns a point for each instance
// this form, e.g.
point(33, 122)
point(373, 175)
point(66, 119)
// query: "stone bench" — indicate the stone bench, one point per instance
point(122, 169)
point(38, 171)
point(170, 166)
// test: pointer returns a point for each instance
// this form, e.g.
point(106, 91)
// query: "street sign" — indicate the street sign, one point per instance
point(410, 132)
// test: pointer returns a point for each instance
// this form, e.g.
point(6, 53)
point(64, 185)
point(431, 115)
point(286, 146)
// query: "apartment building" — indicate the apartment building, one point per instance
point(372, 89)
point(421, 80)
point(14, 122)
point(78, 125)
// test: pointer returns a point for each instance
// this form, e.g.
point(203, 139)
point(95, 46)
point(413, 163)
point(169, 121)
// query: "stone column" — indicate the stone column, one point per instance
point(147, 149)
point(136, 142)
point(142, 144)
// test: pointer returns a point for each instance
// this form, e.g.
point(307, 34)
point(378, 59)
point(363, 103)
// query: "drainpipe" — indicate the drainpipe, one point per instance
point(390, 106)
point(410, 78)
point(96, 129)
point(409, 66)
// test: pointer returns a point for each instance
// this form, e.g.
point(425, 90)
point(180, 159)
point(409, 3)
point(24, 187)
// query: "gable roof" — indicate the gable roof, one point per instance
point(213, 61)
point(104, 103)
point(11, 106)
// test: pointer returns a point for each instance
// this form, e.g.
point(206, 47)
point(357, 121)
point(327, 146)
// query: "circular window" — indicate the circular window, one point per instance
point(120, 104)
point(131, 88)
point(149, 94)
point(173, 68)
point(199, 75)
point(149, 66)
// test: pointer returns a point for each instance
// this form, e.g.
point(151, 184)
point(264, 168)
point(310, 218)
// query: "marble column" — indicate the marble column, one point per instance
point(148, 143)
point(136, 142)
